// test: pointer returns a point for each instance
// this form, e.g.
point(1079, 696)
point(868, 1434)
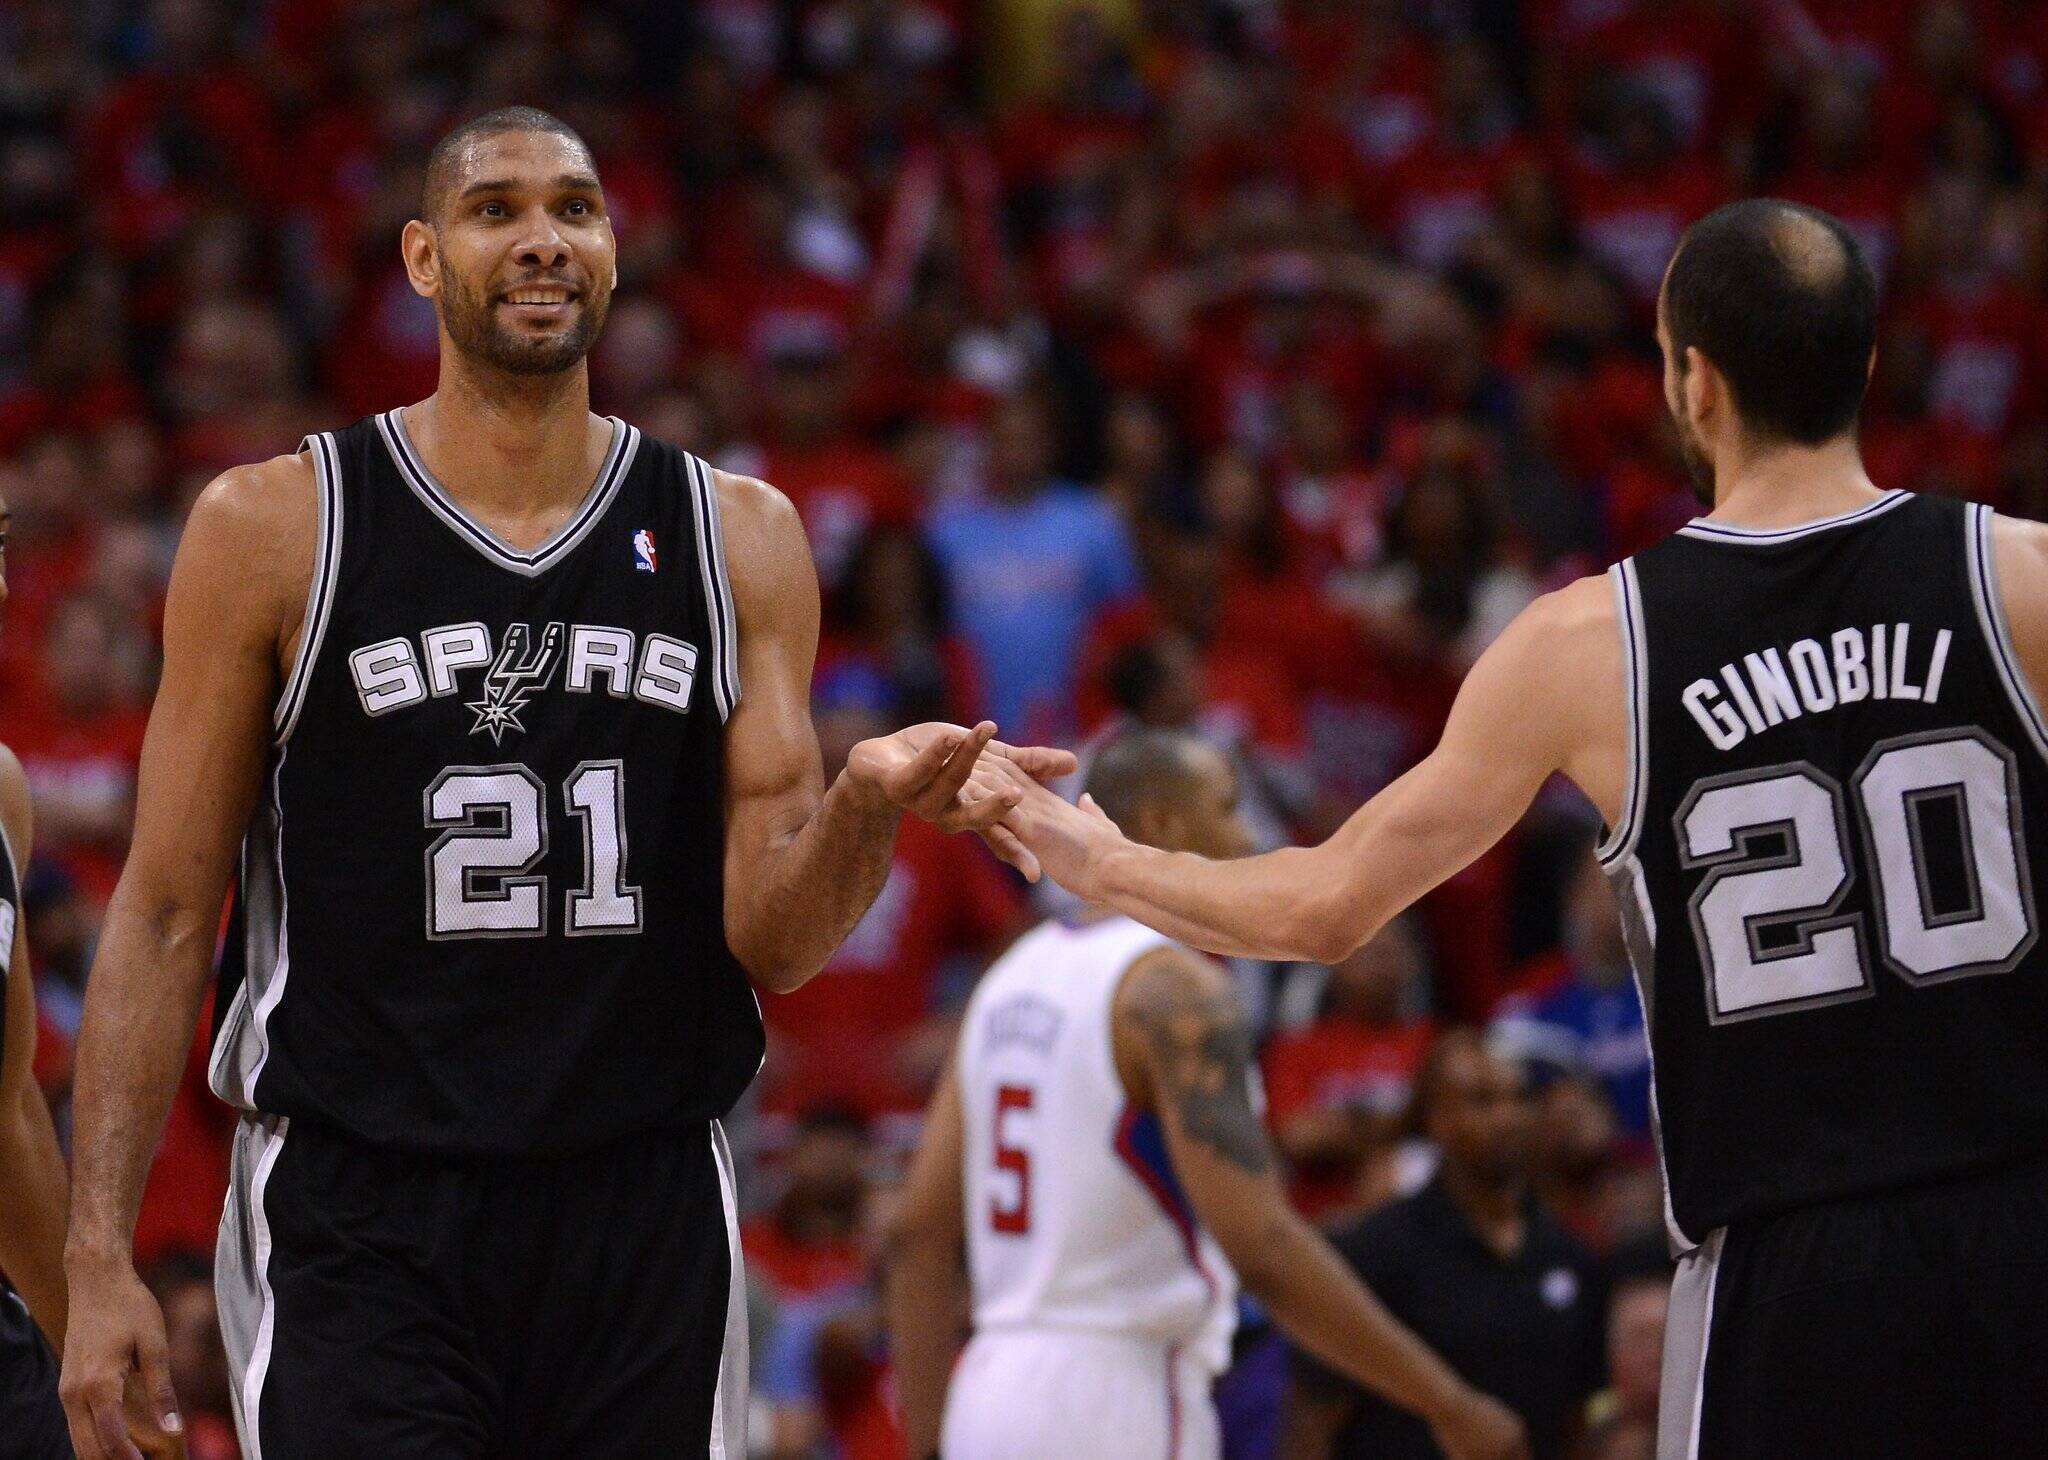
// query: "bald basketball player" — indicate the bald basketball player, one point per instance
point(1812, 721)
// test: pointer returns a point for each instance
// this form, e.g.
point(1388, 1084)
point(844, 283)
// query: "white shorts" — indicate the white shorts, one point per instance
point(1030, 1393)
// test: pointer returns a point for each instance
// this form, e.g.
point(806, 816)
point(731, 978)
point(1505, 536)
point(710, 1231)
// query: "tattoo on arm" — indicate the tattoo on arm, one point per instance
point(1201, 1045)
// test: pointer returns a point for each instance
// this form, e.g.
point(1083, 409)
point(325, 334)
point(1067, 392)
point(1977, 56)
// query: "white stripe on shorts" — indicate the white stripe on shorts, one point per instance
point(729, 1400)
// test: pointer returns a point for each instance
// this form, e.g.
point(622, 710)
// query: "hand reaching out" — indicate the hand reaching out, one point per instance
point(1060, 839)
point(959, 779)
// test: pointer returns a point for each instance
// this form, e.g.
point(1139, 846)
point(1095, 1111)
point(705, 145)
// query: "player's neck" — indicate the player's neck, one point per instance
point(504, 442)
point(1785, 486)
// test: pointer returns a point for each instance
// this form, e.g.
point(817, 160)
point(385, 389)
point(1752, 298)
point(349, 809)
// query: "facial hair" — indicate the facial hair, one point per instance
point(472, 323)
point(1699, 471)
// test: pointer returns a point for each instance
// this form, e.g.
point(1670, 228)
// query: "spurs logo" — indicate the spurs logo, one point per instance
point(521, 669)
point(654, 669)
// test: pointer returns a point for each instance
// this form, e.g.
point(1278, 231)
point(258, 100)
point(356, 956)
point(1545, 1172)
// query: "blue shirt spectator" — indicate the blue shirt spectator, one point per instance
point(1592, 1023)
point(1029, 566)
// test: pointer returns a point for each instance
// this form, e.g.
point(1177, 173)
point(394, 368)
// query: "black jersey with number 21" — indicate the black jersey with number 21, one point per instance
point(1828, 863)
point(480, 902)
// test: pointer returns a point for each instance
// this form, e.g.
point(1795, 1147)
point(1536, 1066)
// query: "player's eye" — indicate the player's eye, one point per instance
point(577, 208)
point(492, 210)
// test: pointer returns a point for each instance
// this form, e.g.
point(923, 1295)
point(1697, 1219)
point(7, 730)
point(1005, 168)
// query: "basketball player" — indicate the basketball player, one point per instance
point(1097, 1145)
point(1812, 721)
point(502, 707)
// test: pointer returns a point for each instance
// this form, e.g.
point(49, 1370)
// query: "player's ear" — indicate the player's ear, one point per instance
point(1699, 387)
point(421, 250)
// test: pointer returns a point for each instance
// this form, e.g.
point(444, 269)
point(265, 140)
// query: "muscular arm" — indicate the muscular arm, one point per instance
point(1184, 1050)
point(1547, 696)
point(233, 590)
point(237, 598)
point(926, 1289)
point(32, 1178)
point(802, 862)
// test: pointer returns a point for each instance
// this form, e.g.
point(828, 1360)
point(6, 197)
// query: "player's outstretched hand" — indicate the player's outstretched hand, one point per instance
point(1064, 841)
point(117, 1372)
point(929, 771)
point(1480, 1427)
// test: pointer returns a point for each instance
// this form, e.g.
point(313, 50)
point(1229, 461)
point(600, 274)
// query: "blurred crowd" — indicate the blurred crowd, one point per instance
point(1239, 366)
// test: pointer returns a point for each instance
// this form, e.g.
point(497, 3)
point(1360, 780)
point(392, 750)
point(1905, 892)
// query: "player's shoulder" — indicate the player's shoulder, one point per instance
point(248, 549)
point(765, 546)
point(752, 504)
point(1171, 983)
point(1566, 626)
point(15, 813)
point(2020, 543)
point(261, 503)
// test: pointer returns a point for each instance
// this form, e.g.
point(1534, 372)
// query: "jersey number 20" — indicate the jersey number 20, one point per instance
point(494, 831)
point(1937, 820)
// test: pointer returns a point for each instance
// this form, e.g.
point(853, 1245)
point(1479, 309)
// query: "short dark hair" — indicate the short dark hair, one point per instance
point(1780, 298)
point(1140, 768)
point(441, 161)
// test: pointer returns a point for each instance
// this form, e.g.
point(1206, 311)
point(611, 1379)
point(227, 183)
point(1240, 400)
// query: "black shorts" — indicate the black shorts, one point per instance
point(423, 1308)
point(1898, 1327)
point(31, 1417)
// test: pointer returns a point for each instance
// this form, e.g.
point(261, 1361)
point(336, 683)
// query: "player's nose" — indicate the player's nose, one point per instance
point(543, 247)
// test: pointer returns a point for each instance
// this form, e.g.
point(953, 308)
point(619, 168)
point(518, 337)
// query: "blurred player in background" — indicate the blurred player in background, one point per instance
point(1097, 1143)
point(1812, 722)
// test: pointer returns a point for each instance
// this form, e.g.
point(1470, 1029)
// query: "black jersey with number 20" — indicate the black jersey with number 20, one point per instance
point(480, 902)
point(1828, 862)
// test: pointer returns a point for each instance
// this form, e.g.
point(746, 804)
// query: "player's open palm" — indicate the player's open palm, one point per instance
point(928, 770)
point(1481, 1428)
point(117, 1380)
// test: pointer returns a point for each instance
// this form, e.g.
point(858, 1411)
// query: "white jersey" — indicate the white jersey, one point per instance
point(1075, 1219)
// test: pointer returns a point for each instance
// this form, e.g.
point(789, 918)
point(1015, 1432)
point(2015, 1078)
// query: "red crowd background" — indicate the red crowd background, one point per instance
point(1238, 366)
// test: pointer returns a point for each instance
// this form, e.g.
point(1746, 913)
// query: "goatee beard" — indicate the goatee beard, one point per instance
point(475, 331)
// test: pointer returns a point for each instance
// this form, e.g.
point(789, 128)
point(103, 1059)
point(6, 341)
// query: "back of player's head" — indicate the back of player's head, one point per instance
point(1140, 772)
point(444, 163)
point(1779, 297)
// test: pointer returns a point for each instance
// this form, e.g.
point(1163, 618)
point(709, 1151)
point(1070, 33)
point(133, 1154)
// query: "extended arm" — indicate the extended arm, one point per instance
point(32, 1178)
point(926, 1288)
point(802, 862)
point(238, 590)
point(1184, 1048)
point(1547, 696)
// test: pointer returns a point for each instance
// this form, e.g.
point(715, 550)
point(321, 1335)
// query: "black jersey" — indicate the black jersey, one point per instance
point(10, 921)
point(480, 907)
point(1838, 810)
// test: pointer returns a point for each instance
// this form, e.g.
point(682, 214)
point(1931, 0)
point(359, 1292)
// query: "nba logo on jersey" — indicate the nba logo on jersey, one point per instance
point(643, 550)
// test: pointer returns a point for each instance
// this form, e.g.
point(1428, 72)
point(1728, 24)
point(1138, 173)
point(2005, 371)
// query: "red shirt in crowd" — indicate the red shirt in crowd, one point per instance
point(93, 759)
point(1246, 679)
point(794, 1269)
point(1985, 354)
point(839, 1032)
point(841, 489)
point(1339, 1064)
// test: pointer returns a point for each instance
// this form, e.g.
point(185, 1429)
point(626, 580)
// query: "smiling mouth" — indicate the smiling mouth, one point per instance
point(539, 298)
